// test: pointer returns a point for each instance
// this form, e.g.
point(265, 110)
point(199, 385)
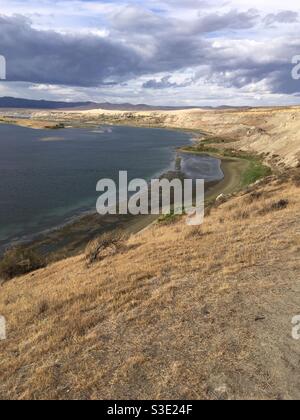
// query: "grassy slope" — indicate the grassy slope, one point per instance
point(180, 313)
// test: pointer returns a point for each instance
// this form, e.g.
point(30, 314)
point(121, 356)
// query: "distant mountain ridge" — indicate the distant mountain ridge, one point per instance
point(9, 102)
point(20, 103)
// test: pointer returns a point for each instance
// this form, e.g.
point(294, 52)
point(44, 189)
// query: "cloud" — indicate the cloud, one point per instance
point(124, 46)
point(286, 16)
point(49, 57)
point(231, 20)
point(133, 18)
point(165, 83)
point(69, 59)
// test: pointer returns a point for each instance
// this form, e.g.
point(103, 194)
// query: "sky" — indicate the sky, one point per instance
point(171, 52)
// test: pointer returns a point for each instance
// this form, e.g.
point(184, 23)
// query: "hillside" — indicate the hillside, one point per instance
point(15, 103)
point(179, 312)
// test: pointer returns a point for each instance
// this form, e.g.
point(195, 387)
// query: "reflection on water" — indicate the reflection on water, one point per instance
point(201, 167)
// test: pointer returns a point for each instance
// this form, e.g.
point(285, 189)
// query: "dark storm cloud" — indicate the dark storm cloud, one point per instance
point(132, 18)
point(240, 71)
point(232, 20)
point(163, 45)
point(286, 16)
point(50, 57)
point(164, 83)
point(86, 60)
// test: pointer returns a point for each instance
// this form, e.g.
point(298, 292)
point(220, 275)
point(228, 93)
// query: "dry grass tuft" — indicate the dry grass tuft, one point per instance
point(42, 307)
point(254, 196)
point(241, 214)
point(197, 233)
point(296, 180)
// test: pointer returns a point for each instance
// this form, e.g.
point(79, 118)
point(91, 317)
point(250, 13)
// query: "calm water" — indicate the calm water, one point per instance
point(201, 167)
point(48, 176)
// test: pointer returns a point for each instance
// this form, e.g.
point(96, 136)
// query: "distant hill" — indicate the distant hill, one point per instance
point(19, 103)
point(7, 102)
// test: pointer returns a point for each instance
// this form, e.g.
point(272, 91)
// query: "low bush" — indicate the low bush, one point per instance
point(20, 260)
point(108, 244)
point(276, 206)
point(279, 205)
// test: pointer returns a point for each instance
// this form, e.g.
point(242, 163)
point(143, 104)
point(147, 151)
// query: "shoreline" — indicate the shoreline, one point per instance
point(75, 231)
point(232, 169)
point(228, 165)
point(70, 238)
point(30, 123)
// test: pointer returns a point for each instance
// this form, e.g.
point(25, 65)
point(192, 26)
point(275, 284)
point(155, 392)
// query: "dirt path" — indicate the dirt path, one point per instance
point(233, 170)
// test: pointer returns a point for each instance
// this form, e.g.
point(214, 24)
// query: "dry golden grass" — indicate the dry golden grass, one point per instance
point(182, 312)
